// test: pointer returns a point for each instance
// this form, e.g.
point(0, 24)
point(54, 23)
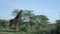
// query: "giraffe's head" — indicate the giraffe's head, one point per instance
point(20, 11)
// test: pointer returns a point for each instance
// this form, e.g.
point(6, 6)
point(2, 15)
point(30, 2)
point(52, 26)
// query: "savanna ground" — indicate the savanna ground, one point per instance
point(7, 31)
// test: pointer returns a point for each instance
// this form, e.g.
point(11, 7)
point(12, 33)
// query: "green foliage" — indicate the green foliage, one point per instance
point(58, 22)
point(34, 23)
point(29, 23)
point(3, 23)
point(58, 26)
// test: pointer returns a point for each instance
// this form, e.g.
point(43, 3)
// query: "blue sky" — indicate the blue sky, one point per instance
point(50, 8)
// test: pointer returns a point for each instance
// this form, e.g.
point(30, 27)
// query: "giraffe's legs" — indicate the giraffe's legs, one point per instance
point(15, 26)
point(10, 24)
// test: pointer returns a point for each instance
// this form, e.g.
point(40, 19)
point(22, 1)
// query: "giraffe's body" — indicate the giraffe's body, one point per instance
point(12, 22)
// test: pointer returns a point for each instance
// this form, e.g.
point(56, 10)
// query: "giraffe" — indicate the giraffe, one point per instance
point(15, 20)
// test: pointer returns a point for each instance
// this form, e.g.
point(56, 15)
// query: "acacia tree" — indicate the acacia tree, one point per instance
point(42, 23)
point(33, 22)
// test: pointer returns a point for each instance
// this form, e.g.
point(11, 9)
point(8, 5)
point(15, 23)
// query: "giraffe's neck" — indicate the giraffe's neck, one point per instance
point(19, 15)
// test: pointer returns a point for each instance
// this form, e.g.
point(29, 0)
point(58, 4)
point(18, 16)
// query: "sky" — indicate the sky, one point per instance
point(50, 8)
